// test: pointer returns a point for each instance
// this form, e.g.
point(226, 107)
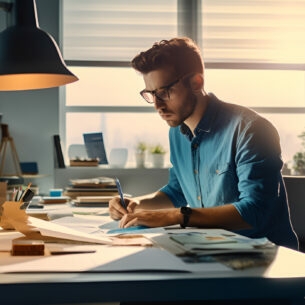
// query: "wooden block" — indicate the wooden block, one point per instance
point(27, 247)
point(84, 162)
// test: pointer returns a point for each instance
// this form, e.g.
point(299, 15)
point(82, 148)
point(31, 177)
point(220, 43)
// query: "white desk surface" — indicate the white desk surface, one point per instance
point(283, 279)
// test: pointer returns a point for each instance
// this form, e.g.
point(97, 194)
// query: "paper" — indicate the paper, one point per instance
point(107, 259)
point(196, 238)
point(211, 239)
point(34, 228)
point(52, 229)
point(101, 225)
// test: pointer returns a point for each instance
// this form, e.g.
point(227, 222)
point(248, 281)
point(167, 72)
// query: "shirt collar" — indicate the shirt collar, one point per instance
point(205, 124)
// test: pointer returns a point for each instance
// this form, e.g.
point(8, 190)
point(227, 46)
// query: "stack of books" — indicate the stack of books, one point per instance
point(92, 201)
point(92, 187)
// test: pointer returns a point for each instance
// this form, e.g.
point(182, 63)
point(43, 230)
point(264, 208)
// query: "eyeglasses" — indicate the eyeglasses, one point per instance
point(161, 94)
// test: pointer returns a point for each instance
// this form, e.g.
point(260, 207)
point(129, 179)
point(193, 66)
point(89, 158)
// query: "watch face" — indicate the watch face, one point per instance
point(186, 210)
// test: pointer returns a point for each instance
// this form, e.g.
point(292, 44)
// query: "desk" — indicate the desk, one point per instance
point(283, 281)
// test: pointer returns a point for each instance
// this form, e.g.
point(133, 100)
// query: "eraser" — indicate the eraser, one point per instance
point(27, 247)
point(55, 192)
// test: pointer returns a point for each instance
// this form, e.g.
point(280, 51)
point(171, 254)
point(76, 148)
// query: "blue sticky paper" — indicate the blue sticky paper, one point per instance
point(126, 230)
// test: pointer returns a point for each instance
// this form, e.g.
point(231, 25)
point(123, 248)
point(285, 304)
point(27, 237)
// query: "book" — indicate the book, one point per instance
point(97, 199)
point(73, 194)
point(92, 201)
point(95, 147)
point(98, 182)
point(58, 155)
point(53, 199)
point(100, 186)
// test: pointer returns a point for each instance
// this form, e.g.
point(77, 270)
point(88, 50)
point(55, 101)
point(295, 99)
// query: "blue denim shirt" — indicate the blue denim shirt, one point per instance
point(234, 157)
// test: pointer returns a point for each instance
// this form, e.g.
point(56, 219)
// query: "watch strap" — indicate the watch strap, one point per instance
point(186, 212)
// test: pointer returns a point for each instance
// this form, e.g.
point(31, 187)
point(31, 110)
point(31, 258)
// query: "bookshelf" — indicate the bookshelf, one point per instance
point(135, 181)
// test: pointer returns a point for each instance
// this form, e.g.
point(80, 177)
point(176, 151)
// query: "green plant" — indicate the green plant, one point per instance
point(141, 147)
point(299, 157)
point(299, 162)
point(157, 149)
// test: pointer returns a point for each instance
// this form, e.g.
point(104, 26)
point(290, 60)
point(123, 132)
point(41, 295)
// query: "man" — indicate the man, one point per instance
point(226, 159)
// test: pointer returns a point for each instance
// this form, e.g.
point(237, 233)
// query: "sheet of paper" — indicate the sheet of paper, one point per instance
point(215, 239)
point(47, 228)
point(100, 225)
point(84, 223)
point(107, 259)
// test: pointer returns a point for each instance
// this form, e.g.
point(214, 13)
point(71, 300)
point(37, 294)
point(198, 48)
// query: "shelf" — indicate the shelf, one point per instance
point(38, 176)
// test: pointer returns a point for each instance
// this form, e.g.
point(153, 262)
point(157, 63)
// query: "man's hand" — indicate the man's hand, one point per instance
point(116, 210)
point(151, 218)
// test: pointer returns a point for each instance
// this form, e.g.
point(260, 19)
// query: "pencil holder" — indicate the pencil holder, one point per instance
point(12, 217)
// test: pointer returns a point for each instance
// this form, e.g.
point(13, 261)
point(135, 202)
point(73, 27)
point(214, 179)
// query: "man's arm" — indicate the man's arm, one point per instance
point(226, 217)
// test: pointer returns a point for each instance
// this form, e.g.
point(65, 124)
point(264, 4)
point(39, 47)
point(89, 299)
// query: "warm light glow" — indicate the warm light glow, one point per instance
point(286, 263)
point(31, 81)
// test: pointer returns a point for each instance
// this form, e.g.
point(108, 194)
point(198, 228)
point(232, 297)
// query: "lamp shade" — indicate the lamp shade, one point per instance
point(30, 57)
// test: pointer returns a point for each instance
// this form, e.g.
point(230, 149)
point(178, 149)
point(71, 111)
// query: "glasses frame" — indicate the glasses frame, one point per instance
point(155, 92)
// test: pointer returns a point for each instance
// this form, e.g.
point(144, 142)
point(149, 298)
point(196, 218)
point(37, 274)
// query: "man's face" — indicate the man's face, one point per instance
point(181, 102)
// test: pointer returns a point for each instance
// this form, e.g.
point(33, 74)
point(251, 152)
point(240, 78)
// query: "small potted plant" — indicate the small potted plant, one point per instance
point(299, 158)
point(141, 148)
point(299, 163)
point(157, 155)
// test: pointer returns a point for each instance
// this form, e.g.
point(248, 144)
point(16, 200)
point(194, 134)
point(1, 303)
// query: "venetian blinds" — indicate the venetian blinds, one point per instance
point(253, 31)
point(235, 31)
point(116, 30)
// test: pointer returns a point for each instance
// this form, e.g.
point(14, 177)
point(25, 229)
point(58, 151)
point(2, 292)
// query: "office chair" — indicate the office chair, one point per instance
point(295, 188)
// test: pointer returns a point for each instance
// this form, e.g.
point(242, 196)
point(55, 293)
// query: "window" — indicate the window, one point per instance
point(100, 38)
point(254, 53)
point(278, 95)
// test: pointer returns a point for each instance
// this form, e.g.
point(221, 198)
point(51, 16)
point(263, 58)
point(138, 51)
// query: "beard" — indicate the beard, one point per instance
point(176, 118)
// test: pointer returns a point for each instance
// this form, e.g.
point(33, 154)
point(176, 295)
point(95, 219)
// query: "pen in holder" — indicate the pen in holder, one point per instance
point(13, 214)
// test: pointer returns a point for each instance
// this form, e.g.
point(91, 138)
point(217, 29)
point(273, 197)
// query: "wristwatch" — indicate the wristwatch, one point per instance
point(186, 212)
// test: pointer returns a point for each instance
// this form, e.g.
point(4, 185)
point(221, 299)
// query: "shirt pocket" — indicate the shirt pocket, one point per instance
point(223, 185)
point(222, 169)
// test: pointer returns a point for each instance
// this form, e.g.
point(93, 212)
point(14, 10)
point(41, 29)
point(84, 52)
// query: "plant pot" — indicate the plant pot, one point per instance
point(118, 157)
point(140, 159)
point(157, 160)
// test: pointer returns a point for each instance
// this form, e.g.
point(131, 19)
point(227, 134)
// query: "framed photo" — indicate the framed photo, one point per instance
point(95, 147)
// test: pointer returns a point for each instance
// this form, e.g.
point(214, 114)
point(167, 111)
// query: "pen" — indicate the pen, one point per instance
point(25, 193)
point(26, 197)
point(118, 185)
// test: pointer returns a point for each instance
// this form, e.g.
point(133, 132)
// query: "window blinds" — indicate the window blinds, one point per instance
point(253, 31)
point(116, 30)
point(235, 31)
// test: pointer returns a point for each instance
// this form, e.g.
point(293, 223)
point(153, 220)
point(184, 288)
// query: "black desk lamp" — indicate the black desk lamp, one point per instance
point(29, 57)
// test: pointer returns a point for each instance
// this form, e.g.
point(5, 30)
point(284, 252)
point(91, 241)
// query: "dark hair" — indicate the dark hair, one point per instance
point(180, 54)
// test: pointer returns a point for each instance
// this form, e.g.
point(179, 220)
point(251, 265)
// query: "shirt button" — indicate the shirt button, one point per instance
point(217, 171)
point(196, 171)
point(199, 198)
